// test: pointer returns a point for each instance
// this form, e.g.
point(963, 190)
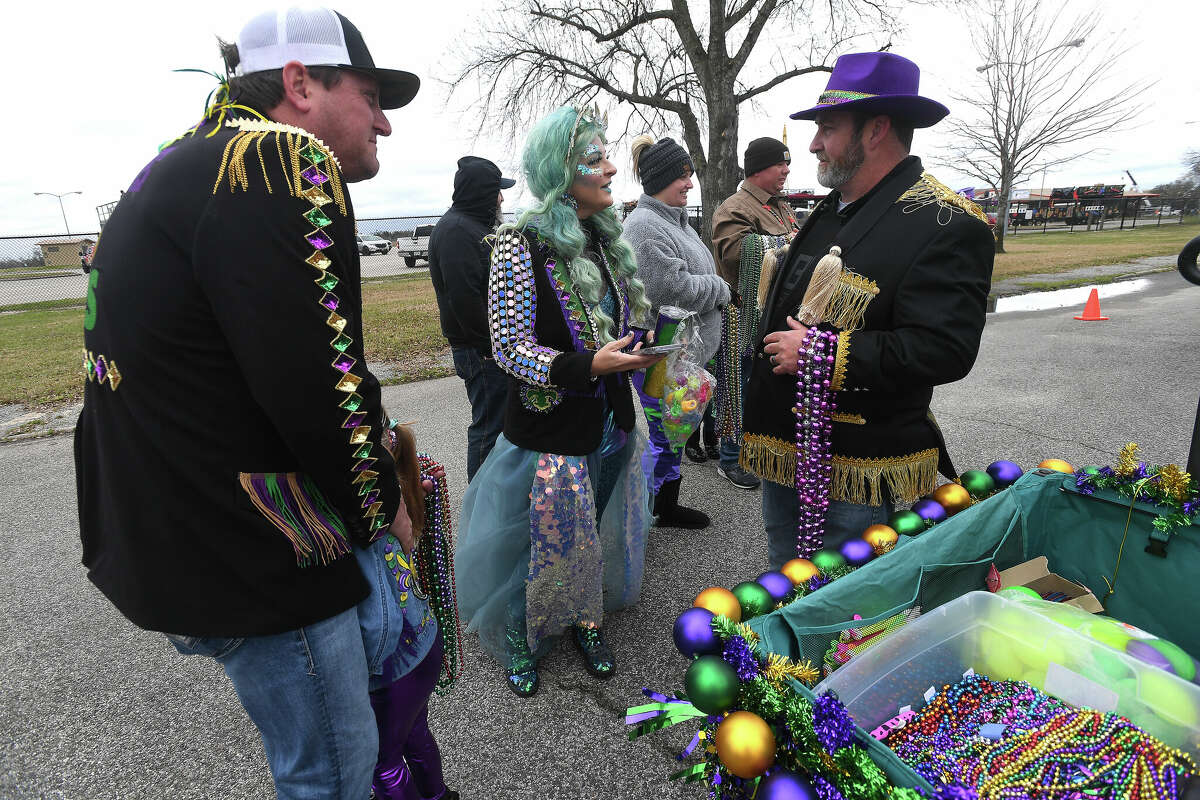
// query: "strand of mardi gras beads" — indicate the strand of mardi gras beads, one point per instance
point(434, 557)
point(814, 409)
point(1052, 750)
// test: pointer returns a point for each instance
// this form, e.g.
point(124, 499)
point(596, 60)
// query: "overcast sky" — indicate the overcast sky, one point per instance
point(91, 95)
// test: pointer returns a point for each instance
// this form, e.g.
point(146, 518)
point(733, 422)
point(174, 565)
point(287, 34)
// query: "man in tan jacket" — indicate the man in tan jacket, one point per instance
point(748, 230)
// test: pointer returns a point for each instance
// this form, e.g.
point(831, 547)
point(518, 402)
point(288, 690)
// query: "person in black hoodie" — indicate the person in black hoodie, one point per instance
point(458, 265)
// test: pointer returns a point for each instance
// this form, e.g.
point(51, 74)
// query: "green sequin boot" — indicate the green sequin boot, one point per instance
point(597, 658)
point(521, 674)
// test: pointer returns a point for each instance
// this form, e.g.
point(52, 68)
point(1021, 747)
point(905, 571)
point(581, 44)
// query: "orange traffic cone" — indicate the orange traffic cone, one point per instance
point(1091, 311)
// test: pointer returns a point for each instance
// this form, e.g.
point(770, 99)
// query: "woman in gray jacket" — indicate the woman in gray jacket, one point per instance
point(677, 269)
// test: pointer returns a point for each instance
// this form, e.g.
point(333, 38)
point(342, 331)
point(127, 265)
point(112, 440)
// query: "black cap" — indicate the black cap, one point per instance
point(662, 163)
point(763, 153)
point(477, 175)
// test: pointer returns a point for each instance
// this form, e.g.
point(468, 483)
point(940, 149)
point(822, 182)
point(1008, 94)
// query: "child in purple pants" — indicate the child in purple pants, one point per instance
point(404, 653)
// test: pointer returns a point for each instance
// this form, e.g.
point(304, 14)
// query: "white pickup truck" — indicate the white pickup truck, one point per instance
point(410, 248)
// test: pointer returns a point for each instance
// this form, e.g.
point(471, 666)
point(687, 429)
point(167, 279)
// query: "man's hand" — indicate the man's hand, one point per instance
point(402, 529)
point(784, 348)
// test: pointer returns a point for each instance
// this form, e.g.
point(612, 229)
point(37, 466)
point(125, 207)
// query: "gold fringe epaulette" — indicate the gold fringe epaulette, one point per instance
point(855, 480)
point(848, 305)
point(928, 191)
point(288, 143)
point(840, 361)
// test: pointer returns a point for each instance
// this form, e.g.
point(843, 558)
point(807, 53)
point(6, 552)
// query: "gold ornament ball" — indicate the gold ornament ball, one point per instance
point(952, 497)
point(799, 570)
point(882, 538)
point(1056, 464)
point(745, 744)
point(721, 602)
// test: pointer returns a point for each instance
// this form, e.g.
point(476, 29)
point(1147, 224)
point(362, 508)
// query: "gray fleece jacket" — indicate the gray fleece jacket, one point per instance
point(676, 267)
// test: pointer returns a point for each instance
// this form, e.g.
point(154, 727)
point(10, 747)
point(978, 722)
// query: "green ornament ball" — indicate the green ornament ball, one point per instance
point(907, 523)
point(1090, 470)
point(753, 598)
point(977, 483)
point(711, 684)
point(1180, 661)
point(1018, 592)
point(827, 560)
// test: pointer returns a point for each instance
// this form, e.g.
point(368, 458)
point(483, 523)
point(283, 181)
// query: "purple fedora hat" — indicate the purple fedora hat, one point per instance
point(877, 83)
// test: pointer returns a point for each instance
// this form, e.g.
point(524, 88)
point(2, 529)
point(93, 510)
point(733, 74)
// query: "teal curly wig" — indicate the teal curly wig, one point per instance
point(549, 171)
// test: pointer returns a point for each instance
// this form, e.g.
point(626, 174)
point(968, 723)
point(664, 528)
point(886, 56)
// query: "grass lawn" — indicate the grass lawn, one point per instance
point(40, 348)
point(41, 357)
point(1057, 252)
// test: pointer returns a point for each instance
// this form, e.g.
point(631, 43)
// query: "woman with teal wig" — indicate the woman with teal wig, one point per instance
point(554, 524)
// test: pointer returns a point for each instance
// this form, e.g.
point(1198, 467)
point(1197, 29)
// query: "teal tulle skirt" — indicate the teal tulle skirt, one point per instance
point(548, 541)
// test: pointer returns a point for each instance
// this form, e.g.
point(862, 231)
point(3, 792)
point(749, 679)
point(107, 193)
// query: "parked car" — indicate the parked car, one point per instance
point(371, 245)
point(414, 246)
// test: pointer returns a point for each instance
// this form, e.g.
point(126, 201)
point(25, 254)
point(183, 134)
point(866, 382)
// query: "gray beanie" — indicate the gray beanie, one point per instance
point(661, 164)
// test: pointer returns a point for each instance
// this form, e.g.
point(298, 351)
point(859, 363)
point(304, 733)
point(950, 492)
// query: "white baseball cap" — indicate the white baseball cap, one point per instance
point(317, 37)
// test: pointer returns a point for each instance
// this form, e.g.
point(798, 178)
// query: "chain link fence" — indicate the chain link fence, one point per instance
point(52, 269)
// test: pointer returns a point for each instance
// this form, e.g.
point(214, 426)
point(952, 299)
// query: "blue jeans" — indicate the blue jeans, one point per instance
point(487, 391)
point(781, 515)
point(731, 447)
point(306, 691)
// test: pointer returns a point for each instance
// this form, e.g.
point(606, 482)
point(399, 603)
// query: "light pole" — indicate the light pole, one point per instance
point(984, 68)
point(60, 206)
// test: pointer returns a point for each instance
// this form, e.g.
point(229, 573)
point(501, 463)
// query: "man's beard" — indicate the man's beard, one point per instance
point(836, 174)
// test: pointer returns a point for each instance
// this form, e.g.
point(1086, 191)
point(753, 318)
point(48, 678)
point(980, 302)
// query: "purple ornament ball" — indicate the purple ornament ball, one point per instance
point(694, 635)
point(776, 583)
point(930, 510)
point(1004, 473)
point(857, 551)
point(784, 784)
point(1149, 655)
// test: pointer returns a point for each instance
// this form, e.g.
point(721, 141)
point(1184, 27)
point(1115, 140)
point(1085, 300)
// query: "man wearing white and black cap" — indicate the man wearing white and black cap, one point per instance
point(229, 459)
point(459, 261)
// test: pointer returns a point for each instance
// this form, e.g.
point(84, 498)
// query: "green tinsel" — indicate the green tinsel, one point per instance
point(762, 698)
point(828, 577)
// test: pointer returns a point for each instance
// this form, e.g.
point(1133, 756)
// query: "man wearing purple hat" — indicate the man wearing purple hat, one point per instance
point(881, 297)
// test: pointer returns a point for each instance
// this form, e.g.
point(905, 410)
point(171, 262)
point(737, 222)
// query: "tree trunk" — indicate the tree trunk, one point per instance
point(1006, 183)
point(720, 179)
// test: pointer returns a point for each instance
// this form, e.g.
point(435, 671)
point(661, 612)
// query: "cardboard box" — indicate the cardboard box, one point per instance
point(1035, 574)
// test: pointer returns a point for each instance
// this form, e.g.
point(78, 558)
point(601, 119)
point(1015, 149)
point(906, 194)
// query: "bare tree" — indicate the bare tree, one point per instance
point(1044, 94)
point(677, 67)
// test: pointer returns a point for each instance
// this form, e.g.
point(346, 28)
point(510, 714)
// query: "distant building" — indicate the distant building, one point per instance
point(65, 252)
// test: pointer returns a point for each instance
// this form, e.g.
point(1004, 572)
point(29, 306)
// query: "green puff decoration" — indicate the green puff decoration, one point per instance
point(977, 483)
point(711, 685)
point(754, 599)
point(827, 560)
point(907, 523)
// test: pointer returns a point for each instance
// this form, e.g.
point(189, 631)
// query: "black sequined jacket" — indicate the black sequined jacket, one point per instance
point(544, 336)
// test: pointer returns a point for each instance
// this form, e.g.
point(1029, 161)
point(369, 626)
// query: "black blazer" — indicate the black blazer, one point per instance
point(544, 336)
point(920, 259)
point(228, 451)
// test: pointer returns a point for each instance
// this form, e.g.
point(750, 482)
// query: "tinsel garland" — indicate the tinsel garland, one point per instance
point(1174, 491)
point(434, 562)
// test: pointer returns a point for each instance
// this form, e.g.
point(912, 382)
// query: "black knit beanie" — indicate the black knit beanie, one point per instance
point(763, 153)
point(661, 164)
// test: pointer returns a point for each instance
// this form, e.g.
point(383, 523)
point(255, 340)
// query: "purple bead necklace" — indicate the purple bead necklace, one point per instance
point(815, 405)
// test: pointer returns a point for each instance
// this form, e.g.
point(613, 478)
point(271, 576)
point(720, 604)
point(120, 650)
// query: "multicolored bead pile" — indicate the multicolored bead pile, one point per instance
point(815, 405)
point(1009, 740)
point(434, 562)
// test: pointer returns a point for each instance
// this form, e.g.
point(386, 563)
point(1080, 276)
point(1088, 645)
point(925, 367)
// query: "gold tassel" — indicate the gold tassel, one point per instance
point(765, 276)
point(860, 480)
point(849, 302)
point(769, 458)
point(821, 286)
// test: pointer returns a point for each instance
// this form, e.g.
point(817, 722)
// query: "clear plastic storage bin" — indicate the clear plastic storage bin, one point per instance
point(1008, 640)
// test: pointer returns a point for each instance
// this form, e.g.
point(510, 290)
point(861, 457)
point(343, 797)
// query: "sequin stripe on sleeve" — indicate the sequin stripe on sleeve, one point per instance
point(512, 307)
point(358, 432)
